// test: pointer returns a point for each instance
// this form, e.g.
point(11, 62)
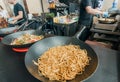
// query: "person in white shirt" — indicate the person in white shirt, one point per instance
point(3, 13)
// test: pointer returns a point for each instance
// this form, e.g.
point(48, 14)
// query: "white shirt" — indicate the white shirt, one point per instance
point(3, 13)
point(100, 4)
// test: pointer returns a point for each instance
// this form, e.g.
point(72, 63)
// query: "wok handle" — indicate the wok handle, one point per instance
point(80, 32)
point(19, 21)
point(27, 25)
point(18, 29)
point(39, 29)
point(77, 35)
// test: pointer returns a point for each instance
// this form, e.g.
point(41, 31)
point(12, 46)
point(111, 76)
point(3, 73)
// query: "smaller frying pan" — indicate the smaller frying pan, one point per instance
point(107, 20)
point(7, 40)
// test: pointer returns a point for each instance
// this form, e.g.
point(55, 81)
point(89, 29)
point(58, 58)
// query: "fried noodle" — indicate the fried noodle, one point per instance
point(63, 62)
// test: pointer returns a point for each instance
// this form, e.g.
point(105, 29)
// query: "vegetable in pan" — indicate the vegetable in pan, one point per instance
point(26, 38)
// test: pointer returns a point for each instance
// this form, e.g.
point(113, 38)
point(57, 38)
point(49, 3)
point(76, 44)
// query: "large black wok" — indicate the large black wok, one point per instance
point(6, 31)
point(9, 30)
point(7, 40)
point(40, 47)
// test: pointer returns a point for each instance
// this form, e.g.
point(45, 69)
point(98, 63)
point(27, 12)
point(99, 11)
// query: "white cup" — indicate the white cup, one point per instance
point(30, 16)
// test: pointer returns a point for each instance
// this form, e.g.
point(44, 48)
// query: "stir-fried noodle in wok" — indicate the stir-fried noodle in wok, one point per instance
point(26, 38)
point(63, 62)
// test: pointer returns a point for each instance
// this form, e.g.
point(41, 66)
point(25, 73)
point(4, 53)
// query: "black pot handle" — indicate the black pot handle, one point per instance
point(79, 33)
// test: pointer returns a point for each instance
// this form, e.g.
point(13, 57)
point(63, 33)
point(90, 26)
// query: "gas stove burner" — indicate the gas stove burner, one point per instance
point(1, 38)
point(20, 49)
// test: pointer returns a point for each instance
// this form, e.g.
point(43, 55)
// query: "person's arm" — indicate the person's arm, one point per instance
point(90, 10)
point(6, 14)
point(15, 18)
point(19, 16)
point(88, 7)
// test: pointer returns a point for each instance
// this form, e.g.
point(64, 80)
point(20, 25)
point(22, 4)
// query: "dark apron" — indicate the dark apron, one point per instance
point(85, 29)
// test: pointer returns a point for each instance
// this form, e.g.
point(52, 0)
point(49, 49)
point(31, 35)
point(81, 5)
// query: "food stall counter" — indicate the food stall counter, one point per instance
point(12, 66)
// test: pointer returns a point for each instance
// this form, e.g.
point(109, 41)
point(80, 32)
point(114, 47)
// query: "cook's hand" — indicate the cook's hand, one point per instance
point(10, 19)
point(105, 14)
point(13, 22)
